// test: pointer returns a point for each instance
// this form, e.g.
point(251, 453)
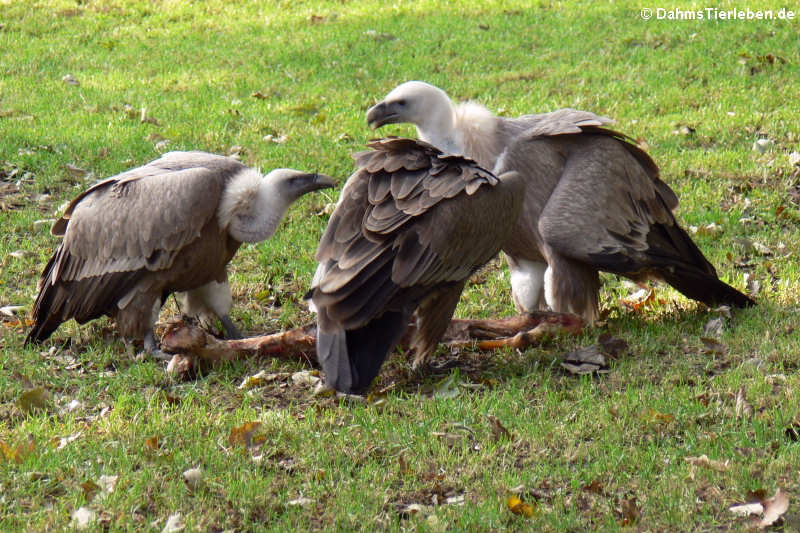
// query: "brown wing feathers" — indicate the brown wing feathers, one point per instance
point(393, 241)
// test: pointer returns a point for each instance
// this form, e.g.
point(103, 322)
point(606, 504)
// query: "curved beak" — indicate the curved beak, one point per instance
point(320, 181)
point(380, 114)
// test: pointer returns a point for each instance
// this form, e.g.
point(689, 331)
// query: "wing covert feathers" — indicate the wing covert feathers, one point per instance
point(411, 222)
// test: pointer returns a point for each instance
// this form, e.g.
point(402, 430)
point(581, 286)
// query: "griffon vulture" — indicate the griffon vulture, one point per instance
point(171, 225)
point(593, 200)
point(410, 228)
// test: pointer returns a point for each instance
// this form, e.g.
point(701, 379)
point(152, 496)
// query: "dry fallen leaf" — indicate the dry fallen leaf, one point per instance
point(244, 435)
point(302, 501)
point(69, 79)
point(774, 508)
point(705, 462)
point(518, 507)
point(174, 524)
point(713, 328)
point(192, 478)
point(638, 299)
point(34, 400)
point(586, 360)
point(498, 430)
point(629, 510)
point(743, 409)
point(61, 442)
point(82, 518)
point(107, 483)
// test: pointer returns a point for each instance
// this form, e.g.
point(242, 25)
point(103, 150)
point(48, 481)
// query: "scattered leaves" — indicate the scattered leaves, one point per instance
point(771, 509)
point(69, 79)
point(639, 300)
point(706, 229)
point(20, 452)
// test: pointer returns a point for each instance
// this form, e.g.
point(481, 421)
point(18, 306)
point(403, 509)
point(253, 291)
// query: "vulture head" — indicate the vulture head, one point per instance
point(253, 205)
point(419, 103)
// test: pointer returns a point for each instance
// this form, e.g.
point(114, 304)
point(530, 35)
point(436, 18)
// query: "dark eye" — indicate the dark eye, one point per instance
point(401, 103)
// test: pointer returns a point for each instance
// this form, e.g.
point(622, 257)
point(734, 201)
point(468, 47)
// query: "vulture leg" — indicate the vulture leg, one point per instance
point(151, 348)
point(572, 287)
point(231, 331)
point(212, 300)
point(527, 284)
point(433, 317)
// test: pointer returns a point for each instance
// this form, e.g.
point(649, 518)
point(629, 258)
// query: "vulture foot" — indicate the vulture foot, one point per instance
point(231, 331)
point(151, 349)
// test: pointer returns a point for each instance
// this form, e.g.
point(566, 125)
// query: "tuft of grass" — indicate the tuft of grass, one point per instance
point(606, 452)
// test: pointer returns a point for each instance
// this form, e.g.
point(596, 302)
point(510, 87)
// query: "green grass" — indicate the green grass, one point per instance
point(317, 67)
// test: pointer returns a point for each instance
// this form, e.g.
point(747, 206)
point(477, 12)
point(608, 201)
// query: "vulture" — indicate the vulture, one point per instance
point(171, 225)
point(593, 200)
point(411, 226)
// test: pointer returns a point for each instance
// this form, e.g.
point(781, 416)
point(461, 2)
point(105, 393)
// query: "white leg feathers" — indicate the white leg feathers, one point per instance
point(527, 282)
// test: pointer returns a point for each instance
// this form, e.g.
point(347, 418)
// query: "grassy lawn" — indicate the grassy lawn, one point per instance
point(93, 87)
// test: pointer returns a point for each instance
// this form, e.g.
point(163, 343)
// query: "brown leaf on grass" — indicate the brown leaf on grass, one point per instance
point(20, 452)
point(705, 462)
point(651, 416)
point(89, 488)
point(612, 346)
point(586, 360)
point(713, 328)
point(498, 430)
point(713, 346)
point(258, 95)
point(595, 487)
point(770, 509)
point(144, 118)
point(152, 443)
point(629, 511)
point(706, 229)
point(83, 518)
point(774, 508)
point(33, 400)
point(743, 409)
point(518, 507)
point(639, 300)
point(244, 435)
point(61, 442)
point(192, 478)
point(75, 171)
